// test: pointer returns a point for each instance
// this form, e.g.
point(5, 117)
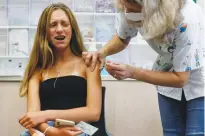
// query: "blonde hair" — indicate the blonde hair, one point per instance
point(42, 56)
point(161, 17)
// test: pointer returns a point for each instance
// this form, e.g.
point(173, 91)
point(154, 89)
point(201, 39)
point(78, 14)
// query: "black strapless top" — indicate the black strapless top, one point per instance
point(69, 92)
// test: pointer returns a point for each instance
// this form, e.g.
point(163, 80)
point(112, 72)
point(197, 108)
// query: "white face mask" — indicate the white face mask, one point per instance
point(134, 16)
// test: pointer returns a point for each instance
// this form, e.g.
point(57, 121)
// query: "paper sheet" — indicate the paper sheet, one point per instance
point(106, 6)
point(86, 25)
point(69, 3)
point(37, 7)
point(3, 2)
point(84, 5)
point(18, 15)
point(32, 33)
point(3, 15)
point(3, 41)
point(19, 2)
point(18, 42)
point(105, 28)
point(12, 66)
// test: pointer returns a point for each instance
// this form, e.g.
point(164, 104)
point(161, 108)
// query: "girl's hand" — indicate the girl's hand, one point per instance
point(63, 131)
point(32, 119)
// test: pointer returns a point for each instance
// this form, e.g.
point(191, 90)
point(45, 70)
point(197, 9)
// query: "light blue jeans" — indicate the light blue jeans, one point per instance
point(50, 123)
point(182, 118)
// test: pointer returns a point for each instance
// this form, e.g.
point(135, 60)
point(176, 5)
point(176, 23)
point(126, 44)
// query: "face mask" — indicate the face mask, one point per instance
point(134, 16)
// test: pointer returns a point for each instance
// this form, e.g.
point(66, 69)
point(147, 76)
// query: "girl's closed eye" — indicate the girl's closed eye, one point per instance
point(65, 24)
point(53, 24)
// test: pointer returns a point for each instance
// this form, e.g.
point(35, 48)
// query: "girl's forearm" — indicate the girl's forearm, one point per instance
point(76, 115)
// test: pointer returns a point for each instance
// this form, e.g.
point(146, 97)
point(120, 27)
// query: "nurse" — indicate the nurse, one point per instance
point(175, 30)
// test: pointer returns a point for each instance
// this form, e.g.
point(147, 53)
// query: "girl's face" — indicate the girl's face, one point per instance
point(60, 30)
point(131, 6)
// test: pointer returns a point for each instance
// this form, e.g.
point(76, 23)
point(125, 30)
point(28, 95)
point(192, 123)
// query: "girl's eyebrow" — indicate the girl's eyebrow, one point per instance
point(66, 21)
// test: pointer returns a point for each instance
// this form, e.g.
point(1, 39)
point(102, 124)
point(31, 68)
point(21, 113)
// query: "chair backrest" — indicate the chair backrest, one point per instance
point(100, 124)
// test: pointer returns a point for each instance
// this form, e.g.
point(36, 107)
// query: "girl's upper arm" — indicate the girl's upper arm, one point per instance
point(33, 100)
point(94, 89)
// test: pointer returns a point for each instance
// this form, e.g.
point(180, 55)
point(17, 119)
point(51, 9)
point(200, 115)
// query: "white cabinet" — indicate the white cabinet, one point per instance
point(19, 19)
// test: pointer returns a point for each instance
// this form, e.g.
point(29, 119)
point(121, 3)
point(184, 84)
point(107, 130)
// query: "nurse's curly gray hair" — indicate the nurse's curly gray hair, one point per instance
point(161, 17)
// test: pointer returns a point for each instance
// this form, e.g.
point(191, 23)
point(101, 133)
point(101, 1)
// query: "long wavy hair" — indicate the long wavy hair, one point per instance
point(161, 17)
point(42, 55)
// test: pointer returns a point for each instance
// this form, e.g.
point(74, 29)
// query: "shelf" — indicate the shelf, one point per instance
point(94, 13)
point(18, 27)
point(10, 78)
point(14, 57)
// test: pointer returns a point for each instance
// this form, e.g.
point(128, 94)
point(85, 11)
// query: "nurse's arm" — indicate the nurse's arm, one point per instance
point(115, 45)
point(169, 79)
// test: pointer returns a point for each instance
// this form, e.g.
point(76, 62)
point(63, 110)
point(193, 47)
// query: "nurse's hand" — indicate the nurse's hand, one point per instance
point(91, 59)
point(120, 71)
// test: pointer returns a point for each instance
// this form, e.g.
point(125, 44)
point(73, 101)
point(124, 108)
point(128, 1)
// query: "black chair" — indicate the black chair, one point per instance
point(100, 124)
